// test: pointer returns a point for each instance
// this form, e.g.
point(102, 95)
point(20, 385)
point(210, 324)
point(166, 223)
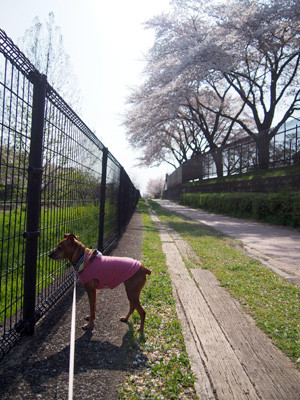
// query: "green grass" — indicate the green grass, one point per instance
point(167, 373)
point(273, 302)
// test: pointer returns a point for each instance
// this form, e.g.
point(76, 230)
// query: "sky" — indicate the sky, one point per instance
point(107, 44)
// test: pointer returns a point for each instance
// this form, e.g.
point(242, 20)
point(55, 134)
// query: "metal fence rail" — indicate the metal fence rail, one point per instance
point(240, 157)
point(56, 177)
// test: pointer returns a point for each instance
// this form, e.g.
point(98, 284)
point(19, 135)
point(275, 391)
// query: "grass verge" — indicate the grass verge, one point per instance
point(272, 302)
point(161, 368)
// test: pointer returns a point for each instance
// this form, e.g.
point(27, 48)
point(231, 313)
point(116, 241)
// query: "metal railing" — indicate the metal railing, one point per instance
point(56, 177)
point(240, 157)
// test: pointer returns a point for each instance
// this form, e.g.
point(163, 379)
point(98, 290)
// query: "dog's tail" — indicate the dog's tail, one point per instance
point(146, 270)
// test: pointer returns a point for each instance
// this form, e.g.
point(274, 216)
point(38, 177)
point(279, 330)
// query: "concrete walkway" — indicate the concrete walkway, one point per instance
point(230, 356)
point(275, 246)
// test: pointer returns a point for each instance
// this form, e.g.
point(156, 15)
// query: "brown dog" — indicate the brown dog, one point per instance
point(96, 271)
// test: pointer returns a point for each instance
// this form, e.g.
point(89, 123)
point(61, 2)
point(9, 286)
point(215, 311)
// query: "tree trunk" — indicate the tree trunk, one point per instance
point(217, 155)
point(263, 150)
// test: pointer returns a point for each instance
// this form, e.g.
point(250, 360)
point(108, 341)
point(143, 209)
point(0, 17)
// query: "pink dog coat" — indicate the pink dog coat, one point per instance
point(109, 271)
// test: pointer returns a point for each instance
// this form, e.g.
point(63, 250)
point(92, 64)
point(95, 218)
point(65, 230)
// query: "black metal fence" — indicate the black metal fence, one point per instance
point(240, 157)
point(55, 177)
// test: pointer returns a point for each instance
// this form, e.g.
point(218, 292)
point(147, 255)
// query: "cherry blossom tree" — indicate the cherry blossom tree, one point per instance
point(164, 134)
point(155, 187)
point(265, 65)
point(246, 52)
point(181, 122)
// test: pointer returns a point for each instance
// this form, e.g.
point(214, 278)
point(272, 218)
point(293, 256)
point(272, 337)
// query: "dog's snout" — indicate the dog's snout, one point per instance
point(53, 255)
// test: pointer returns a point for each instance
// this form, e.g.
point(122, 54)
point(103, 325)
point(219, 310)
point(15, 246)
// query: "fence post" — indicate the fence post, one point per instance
point(121, 216)
point(102, 199)
point(296, 147)
point(35, 171)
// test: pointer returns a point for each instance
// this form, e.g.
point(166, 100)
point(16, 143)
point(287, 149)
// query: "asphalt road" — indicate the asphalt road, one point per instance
point(278, 247)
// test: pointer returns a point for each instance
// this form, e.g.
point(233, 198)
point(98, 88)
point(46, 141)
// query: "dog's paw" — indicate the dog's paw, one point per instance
point(124, 319)
point(87, 317)
point(88, 326)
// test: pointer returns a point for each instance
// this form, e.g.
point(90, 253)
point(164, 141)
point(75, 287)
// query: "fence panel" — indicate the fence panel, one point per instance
point(240, 157)
point(111, 199)
point(56, 177)
point(16, 93)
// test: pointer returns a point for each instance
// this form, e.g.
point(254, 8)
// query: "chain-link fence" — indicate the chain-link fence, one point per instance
point(56, 177)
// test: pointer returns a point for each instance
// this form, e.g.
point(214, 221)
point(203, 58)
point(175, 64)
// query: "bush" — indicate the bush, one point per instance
point(277, 208)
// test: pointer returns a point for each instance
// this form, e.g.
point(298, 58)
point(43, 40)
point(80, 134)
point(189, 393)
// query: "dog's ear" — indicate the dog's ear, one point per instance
point(71, 236)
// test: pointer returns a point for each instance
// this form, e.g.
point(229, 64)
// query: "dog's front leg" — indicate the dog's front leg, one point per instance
point(91, 290)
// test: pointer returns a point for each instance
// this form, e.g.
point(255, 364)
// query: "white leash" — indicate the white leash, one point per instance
point(72, 342)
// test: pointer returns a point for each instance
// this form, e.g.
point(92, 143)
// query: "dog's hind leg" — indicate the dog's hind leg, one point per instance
point(135, 305)
point(131, 309)
point(90, 288)
point(133, 287)
point(142, 313)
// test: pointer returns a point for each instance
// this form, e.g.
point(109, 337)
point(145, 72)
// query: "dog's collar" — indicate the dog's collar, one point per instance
point(79, 263)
